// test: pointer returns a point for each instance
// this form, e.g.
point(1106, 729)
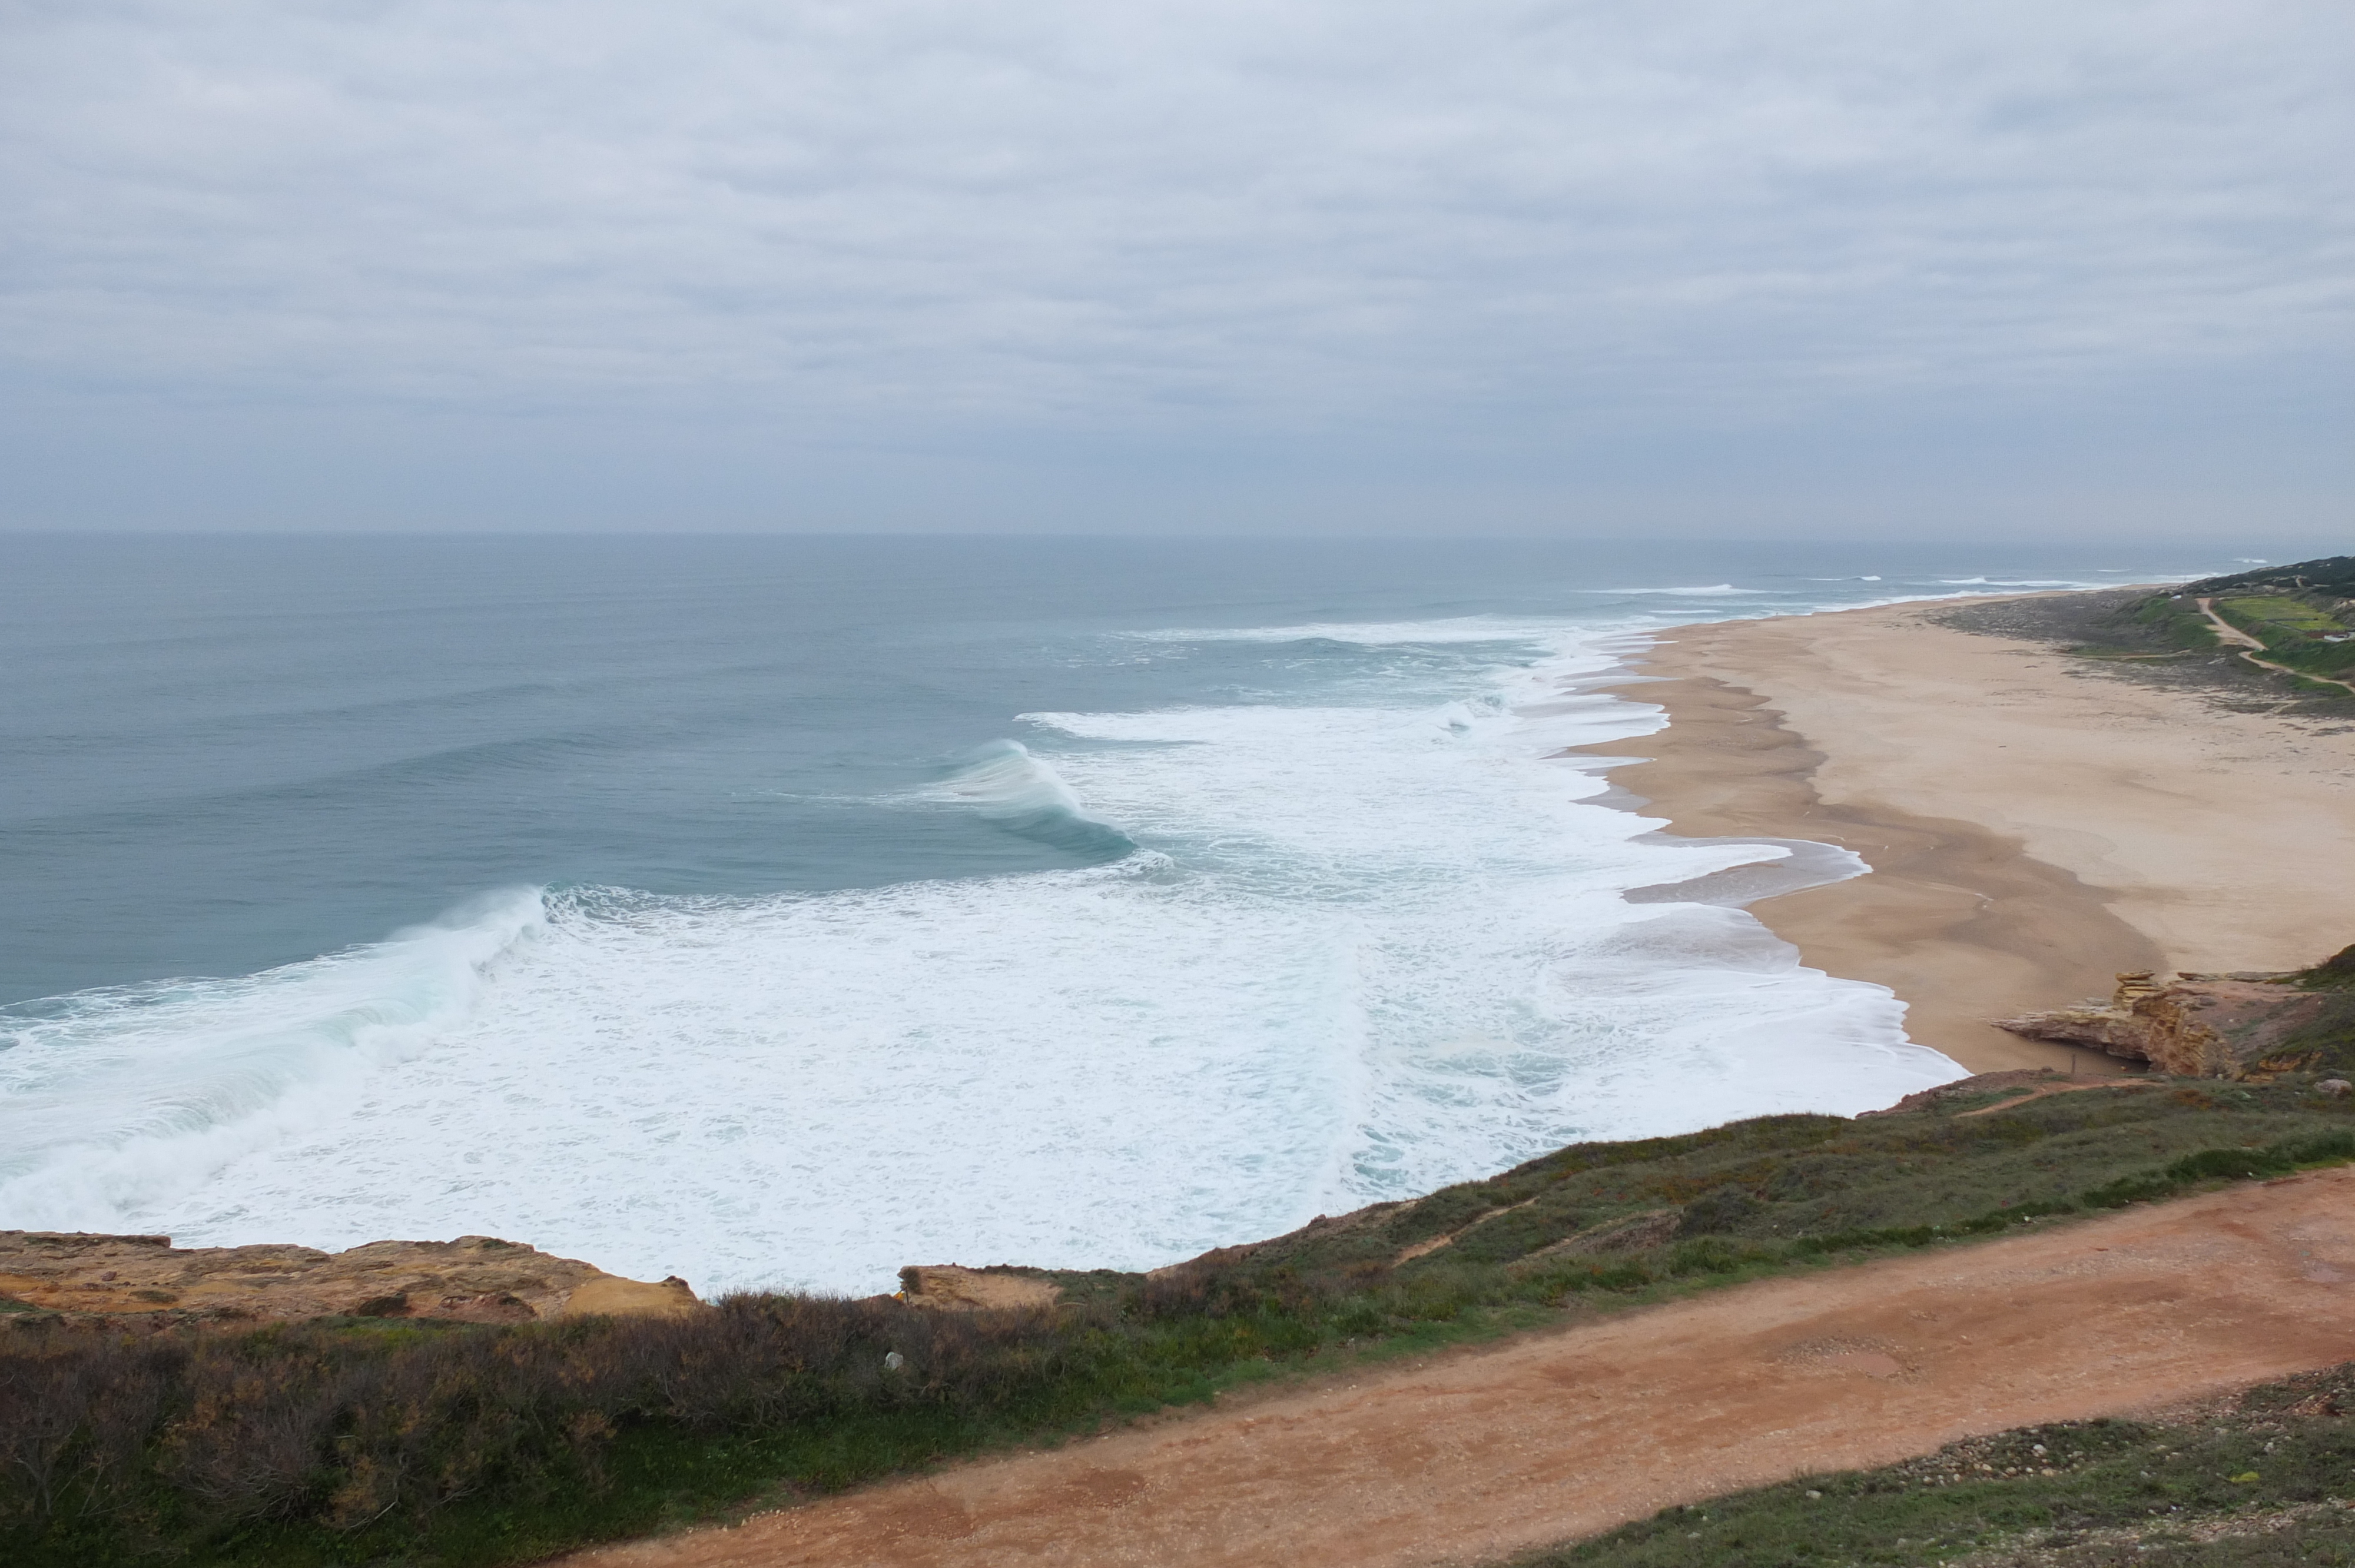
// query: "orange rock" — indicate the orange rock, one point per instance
point(2191, 1025)
point(948, 1288)
point(475, 1279)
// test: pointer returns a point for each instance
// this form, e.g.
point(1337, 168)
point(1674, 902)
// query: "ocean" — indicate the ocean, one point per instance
point(778, 911)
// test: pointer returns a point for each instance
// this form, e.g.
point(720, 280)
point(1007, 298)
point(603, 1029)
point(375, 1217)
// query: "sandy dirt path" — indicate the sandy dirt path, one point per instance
point(1470, 1457)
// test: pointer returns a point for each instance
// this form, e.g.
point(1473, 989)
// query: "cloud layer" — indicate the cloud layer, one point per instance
point(1077, 232)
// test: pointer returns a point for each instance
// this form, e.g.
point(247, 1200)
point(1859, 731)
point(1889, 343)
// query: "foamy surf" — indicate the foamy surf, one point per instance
point(115, 1105)
point(1332, 953)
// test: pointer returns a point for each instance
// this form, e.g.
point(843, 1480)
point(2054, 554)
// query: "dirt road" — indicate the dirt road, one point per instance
point(1470, 1457)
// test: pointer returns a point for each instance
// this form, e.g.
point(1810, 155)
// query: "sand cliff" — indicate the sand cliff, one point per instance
point(475, 1279)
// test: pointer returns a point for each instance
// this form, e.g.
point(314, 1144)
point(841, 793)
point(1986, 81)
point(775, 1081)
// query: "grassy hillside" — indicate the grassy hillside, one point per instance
point(354, 1441)
point(2328, 1043)
point(2333, 575)
point(2163, 637)
point(2261, 1483)
point(2304, 613)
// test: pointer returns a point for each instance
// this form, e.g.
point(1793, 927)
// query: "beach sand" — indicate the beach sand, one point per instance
point(2036, 821)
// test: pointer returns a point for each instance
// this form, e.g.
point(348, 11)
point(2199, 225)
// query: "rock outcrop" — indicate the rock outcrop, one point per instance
point(475, 1279)
point(2192, 1024)
point(947, 1287)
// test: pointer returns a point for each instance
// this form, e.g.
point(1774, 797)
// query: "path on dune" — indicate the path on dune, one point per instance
point(1469, 1457)
point(2241, 643)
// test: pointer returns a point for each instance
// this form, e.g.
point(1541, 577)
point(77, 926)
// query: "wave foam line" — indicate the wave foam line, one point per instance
point(1466, 629)
point(115, 1101)
point(1369, 949)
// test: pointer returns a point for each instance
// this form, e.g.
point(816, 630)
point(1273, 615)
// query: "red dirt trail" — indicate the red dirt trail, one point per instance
point(1469, 1457)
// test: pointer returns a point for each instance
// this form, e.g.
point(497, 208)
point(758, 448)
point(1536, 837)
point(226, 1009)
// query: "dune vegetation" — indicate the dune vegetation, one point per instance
point(2302, 616)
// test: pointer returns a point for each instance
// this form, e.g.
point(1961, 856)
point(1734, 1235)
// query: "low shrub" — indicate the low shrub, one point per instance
point(2260, 1485)
point(357, 1442)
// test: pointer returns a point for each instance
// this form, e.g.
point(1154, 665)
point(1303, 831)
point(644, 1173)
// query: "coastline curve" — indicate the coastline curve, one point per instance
point(1956, 918)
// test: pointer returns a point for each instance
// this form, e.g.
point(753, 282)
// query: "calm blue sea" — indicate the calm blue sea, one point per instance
point(783, 910)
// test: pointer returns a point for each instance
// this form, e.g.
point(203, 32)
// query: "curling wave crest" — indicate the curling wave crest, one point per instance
point(1004, 784)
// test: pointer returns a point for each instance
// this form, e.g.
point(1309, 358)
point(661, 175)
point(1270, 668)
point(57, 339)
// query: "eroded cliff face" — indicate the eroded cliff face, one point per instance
point(949, 1287)
point(475, 1279)
point(2237, 1025)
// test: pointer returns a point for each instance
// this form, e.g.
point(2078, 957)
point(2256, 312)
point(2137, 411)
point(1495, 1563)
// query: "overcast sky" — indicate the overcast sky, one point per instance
point(1700, 265)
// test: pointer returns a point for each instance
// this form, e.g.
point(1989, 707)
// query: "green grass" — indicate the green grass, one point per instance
point(2257, 1483)
point(2179, 620)
point(2292, 630)
point(351, 1443)
point(2279, 610)
point(2330, 661)
point(2290, 609)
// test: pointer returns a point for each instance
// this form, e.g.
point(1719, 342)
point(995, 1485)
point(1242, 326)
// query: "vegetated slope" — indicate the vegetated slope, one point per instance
point(2329, 1041)
point(2330, 574)
point(2166, 639)
point(2265, 1479)
point(354, 1441)
point(2302, 614)
point(1562, 1436)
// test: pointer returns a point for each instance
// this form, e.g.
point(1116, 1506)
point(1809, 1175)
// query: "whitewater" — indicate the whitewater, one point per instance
point(1339, 925)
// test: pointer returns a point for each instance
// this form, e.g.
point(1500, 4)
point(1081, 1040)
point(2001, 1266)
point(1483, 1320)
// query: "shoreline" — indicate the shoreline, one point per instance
point(2035, 823)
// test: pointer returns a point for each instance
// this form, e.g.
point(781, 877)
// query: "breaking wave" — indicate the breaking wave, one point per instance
point(115, 1101)
point(1004, 785)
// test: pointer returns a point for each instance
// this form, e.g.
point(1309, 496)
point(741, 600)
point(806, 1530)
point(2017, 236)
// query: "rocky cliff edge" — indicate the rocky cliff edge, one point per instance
point(475, 1279)
point(2196, 1025)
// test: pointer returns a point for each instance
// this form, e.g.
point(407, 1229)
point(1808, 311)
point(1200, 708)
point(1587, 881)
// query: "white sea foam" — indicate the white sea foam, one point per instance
point(2021, 583)
point(117, 1104)
point(1711, 591)
point(1364, 952)
point(1466, 628)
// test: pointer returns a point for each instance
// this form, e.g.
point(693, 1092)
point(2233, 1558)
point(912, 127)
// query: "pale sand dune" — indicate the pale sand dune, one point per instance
point(2035, 822)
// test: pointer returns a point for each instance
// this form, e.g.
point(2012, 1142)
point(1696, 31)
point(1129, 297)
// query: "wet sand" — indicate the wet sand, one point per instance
point(2035, 822)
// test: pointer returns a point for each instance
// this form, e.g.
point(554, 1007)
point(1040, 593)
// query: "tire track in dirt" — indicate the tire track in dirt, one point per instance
point(1469, 1457)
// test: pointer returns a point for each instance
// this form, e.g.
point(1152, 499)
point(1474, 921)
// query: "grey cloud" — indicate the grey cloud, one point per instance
point(918, 225)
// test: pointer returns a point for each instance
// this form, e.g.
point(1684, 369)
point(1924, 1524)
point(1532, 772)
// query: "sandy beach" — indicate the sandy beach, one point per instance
point(2035, 820)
